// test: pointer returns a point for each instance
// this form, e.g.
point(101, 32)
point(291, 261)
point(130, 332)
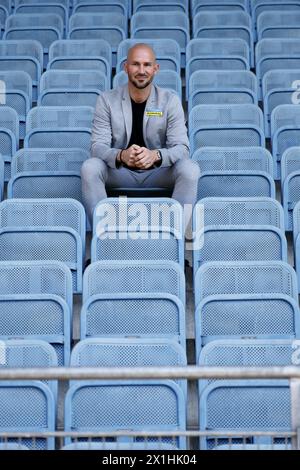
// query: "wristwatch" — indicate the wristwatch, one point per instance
point(159, 158)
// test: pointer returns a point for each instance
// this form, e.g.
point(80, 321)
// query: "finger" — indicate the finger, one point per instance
point(140, 156)
point(141, 162)
point(140, 150)
point(145, 164)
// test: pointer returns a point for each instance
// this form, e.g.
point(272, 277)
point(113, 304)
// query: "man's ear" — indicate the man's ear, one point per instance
point(156, 68)
point(125, 67)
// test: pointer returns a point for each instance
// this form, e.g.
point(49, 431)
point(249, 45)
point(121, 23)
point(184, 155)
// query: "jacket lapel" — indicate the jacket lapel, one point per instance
point(127, 113)
point(149, 105)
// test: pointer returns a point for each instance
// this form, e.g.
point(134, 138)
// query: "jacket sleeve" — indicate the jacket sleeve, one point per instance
point(102, 134)
point(177, 142)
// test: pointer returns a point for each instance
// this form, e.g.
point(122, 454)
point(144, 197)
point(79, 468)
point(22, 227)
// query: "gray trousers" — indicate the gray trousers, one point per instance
point(181, 178)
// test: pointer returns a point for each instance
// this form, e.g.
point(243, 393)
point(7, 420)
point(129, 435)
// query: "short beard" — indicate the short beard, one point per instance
point(142, 86)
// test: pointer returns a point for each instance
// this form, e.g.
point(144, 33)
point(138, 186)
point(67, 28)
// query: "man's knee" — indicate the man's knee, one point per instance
point(93, 168)
point(187, 169)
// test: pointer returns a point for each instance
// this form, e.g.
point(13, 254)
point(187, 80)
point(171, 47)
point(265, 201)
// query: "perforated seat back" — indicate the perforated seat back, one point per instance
point(138, 405)
point(249, 277)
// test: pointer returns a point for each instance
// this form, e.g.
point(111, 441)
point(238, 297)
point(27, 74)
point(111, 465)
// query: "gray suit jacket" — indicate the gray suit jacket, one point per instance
point(165, 130)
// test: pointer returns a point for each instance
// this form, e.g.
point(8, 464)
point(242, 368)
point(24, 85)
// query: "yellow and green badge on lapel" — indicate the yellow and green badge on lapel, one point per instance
point(154, 112)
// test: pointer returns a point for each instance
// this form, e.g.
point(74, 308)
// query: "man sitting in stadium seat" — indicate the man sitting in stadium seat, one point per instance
point(139, 138)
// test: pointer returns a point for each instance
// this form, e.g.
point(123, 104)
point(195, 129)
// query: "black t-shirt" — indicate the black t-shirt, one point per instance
point(137, 137)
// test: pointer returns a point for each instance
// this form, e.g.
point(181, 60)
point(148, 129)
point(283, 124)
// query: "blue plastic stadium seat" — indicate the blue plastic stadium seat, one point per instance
point(279, 87)
point(45, 184)
point(109, 26)
point(216, 54)
point(252, 316)
point(237, 406)
point(44, 243)
point(105, 6)
point(71, 88)
point(218, 159)
point(44, 28)
point(285, 122)
point(45, 213)
point(9, 136)
point(129, 352)
point(142, 316)
point(272, 54)
point(238, 243)
point(137, 405)
point(29, 353)
point(250, 277)
point(218, 5)
point(40, 317)
point(278, 24)
point(60, 8)
point(222, 87)
point(157, 235)
point(81, 54)
point(245, 353)
point(112, 277)
point(226, 126)
point(37, 277)
point(290, 197)
point(61, 223)
point(162, 24)
point(238, 211)
point(50, 160)
point(18, 94)
point(236, 184)
point(27, 407)
point(224, 24)
point(290, 162)
point(270, 6)
point(59, 127)
point(25, 55)
point(160, 5)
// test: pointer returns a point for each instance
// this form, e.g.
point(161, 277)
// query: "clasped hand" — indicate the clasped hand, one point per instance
point(139, 157)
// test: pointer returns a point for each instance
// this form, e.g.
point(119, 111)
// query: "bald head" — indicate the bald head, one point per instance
point(140, 66)
point(140, 48)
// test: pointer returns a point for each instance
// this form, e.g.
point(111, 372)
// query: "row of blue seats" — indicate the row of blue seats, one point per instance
point(209, 126)
point(99, 407)
point(47, 28)
point(227, 238)
point(225, 172)
point(269, 23)
point(201, 54)
point(68, 88)
point(91, 406)
point(180, 5)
